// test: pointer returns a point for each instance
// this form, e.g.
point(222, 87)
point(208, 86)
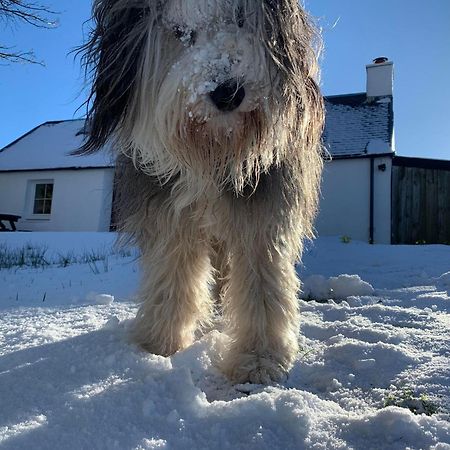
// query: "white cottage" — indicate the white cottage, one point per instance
point(52, 190)
point(356, 183)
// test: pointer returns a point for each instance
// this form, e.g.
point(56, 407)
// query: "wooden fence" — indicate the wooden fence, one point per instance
point(420, 201)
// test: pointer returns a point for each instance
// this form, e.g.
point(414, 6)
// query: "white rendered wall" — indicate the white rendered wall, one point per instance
point(81, 199)
point(345, 200)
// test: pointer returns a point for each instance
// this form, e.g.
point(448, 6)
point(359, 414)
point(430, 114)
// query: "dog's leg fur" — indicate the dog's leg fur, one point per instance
point(175, 262)
point(261, 305)
point(221, 265)
point(262, 313)
point(174, 292)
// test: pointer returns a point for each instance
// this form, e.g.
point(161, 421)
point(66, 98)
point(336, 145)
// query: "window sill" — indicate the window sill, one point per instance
point(38, 217)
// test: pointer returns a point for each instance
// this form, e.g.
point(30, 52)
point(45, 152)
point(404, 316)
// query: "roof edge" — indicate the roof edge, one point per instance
point(52, 169)
point(48, 122)
point(353, 94)
point(421, 163)
point(355, 99)
point(364, 156)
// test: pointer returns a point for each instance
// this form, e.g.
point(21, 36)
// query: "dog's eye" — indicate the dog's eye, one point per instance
point(178, 32)
point(240, 18)
point(185, 36)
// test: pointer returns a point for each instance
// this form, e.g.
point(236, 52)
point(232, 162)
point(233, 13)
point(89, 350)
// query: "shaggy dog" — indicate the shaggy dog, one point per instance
point(214, 111)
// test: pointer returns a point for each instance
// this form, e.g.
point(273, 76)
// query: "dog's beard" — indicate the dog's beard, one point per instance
point(222, 149)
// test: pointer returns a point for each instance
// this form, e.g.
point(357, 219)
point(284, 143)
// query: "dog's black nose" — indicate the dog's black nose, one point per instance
point(228, 96)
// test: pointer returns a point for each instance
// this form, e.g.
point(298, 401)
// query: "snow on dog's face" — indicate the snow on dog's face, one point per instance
point(220, 89)
point(223, 68)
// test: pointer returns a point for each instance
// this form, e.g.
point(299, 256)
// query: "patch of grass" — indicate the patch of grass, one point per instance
point(92, 256)
point(124, 252)
point(26, 256)
point(95, 267)
point(35, 256)
point(64, 260)
point(417, 404)
point(346, 239)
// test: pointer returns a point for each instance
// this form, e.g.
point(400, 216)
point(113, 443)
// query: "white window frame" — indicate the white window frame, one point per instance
point(31, 197)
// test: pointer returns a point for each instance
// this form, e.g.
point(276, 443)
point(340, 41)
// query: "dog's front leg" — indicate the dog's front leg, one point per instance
point(174, 292)
point(261, 308)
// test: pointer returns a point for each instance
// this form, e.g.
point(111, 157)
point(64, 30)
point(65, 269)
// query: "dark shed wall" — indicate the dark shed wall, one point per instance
point(420, 201)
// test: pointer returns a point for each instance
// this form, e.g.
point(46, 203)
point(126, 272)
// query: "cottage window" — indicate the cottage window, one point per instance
point(43, 198)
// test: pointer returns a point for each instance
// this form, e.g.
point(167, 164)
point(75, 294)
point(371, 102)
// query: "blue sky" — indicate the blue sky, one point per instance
point(413, 33)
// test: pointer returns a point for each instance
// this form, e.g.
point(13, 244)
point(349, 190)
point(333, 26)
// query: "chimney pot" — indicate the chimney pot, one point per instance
point(380, 60)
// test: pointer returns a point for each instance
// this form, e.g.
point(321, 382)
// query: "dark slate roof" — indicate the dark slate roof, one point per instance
point(358, 126)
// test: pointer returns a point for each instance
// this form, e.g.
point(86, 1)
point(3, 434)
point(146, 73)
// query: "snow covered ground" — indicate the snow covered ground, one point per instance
point(374, 347)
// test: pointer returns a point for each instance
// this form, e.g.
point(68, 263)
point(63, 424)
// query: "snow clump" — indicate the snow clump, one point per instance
point(444, 281)
point(317, 287)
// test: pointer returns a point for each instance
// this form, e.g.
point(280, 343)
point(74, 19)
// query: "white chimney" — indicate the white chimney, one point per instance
point(380, 77)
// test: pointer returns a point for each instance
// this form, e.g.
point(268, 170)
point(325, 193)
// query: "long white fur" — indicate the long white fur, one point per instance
point(173, 91)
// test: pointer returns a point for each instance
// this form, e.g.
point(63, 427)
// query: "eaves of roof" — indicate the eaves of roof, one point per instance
point(49, 122)
point(50, 169)
point(421, 163)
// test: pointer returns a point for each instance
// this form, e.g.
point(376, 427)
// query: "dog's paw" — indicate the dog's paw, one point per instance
point(252, 368)
point(159, 348)
point(265, 375)
point(157, 342)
